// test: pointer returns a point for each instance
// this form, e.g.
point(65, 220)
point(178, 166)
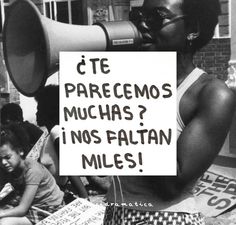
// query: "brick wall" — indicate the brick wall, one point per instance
point(214, 57)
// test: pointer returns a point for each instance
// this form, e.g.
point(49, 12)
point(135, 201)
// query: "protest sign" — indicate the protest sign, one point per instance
point(78, 212)
point(118, 113)
point(37, 148)
point(215, 193)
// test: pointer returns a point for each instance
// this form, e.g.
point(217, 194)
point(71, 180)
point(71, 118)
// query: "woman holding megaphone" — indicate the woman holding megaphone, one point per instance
point(205, 111)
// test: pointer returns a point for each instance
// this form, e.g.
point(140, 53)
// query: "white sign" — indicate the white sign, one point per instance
point(35, 152)
point(118, 113)
point(78, 212)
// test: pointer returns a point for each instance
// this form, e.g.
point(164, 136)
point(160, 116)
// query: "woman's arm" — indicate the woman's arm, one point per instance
point(24, 205)
point(204, 136)
point(202, 139)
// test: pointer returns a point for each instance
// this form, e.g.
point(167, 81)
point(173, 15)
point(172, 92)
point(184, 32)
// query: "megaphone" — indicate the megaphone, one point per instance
point(32, 42)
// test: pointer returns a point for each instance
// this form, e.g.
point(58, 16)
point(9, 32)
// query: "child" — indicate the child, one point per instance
point(36, 186)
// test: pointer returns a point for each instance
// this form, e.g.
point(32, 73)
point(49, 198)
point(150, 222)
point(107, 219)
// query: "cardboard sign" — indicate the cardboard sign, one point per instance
point(78, 212)
point(37, 148)
point(118, 113)
point(215, 193)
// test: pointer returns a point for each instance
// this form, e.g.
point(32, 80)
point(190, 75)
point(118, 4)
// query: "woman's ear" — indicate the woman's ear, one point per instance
point(193, 30)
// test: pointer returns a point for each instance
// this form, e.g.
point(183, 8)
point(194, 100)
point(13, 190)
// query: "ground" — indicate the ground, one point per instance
point(228, 218)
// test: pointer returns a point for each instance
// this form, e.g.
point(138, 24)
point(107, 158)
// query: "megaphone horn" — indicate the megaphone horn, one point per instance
point(32, 42)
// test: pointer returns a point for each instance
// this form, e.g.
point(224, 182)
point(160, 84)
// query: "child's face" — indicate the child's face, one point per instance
point(9, 159)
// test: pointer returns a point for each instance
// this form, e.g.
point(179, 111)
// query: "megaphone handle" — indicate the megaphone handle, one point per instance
point(121, 35)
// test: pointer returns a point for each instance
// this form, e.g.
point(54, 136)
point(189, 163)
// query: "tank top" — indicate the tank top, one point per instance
point(181, 90)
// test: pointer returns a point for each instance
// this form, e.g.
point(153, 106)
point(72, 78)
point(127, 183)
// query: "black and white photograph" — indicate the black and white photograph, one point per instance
point(117, 112)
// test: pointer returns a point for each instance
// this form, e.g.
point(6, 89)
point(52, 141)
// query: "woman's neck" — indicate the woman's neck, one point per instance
point(184, 66)
point(20, 169)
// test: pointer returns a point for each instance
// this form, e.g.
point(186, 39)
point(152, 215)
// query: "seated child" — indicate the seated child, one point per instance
point(36, 186)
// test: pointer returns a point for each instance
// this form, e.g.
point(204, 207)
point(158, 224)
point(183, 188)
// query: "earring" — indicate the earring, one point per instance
point(192, 36)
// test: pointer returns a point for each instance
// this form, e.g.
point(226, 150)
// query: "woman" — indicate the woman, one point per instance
point(38, 191)
point(204, 114)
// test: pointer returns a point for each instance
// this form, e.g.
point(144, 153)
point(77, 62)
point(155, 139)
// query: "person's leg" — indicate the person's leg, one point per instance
point(78, 186)
point(14, 221)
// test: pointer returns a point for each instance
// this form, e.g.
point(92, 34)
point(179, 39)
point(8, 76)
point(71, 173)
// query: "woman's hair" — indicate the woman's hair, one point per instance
point(203, 16)
point(11, 111)
point(16, 136)
point(48, 99)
